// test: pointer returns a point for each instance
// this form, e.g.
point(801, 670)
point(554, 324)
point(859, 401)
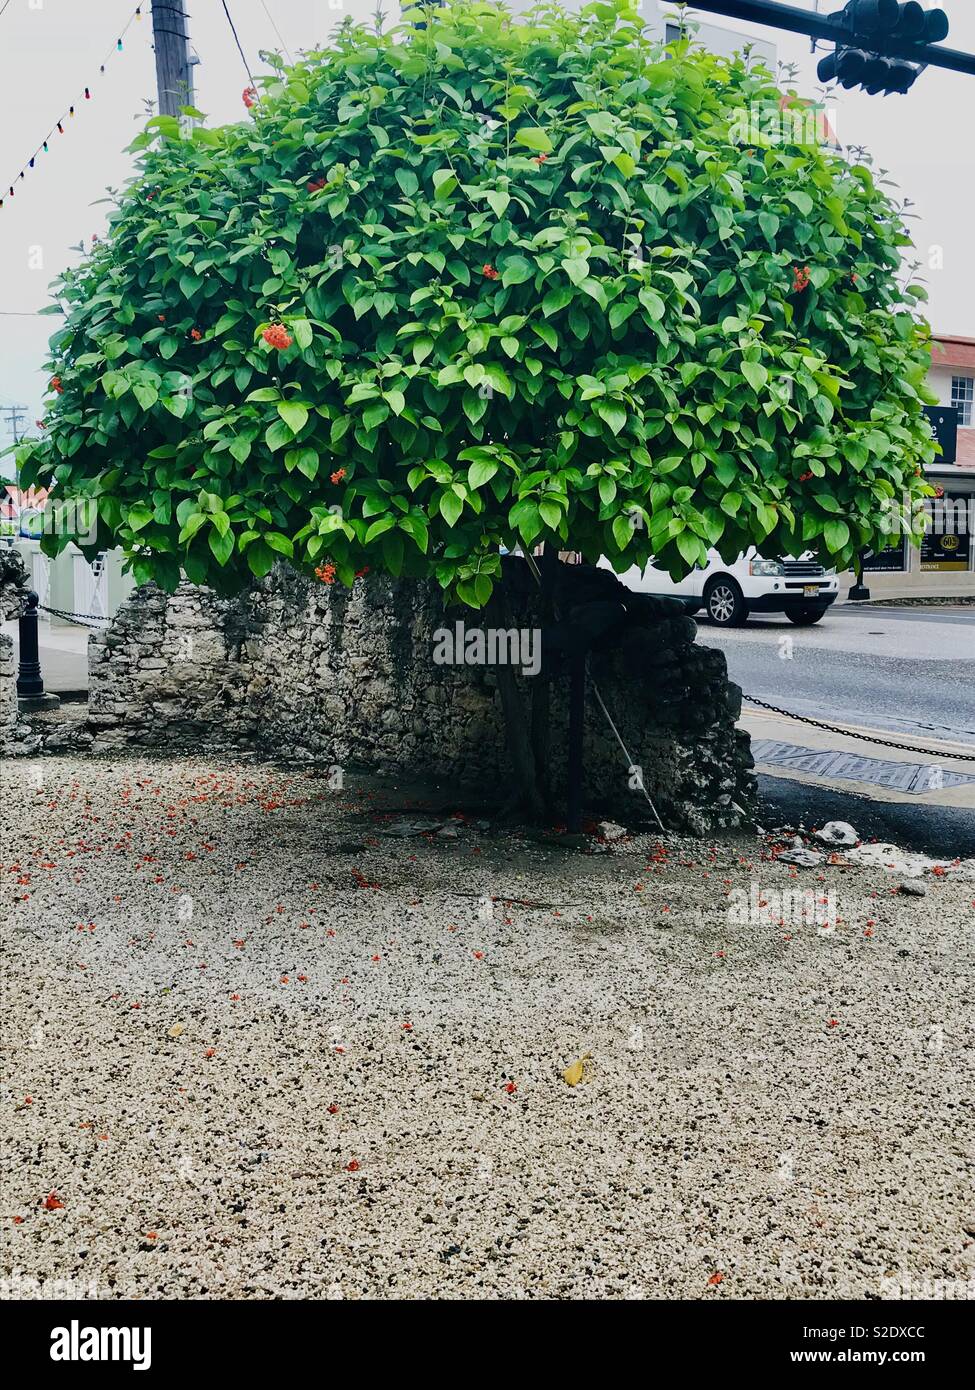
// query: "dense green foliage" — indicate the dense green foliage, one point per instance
point(531, 288)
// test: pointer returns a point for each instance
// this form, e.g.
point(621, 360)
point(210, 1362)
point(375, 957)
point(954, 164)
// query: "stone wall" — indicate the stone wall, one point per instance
point(297, 669)
point(15, 734)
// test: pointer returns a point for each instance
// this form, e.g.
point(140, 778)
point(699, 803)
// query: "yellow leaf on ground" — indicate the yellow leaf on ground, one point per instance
point(176, 1029)
point(573, 1074)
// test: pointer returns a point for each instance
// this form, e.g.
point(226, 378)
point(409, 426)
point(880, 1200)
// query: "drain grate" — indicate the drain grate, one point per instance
point(827, 762)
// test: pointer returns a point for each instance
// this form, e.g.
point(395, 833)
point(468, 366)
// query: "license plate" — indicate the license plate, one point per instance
point(810, 590)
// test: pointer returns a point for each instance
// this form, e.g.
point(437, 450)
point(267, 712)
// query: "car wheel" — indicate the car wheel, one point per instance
point(805, 617)
point(724, 602)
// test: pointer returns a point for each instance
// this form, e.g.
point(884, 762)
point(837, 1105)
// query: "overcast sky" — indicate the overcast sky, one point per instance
point(52, 49)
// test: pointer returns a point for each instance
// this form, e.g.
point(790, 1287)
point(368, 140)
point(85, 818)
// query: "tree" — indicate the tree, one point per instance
point(478, 284)
point(482, 284)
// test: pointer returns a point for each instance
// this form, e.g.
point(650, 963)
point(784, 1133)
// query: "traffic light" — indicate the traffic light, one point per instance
point(886, 32)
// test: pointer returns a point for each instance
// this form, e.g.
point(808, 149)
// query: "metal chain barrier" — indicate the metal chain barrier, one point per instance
point(864, 738)
point(77, 618)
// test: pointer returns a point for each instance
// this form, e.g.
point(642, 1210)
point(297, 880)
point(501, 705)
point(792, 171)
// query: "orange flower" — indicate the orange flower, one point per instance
point(277, 336)
point(338, 475)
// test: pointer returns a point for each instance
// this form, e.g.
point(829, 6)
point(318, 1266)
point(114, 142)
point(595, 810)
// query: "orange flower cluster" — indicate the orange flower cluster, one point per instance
point(277, 336)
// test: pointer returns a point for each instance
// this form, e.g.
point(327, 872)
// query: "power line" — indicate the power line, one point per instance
point(5, 4)
point(240, 49)
point(274, 27)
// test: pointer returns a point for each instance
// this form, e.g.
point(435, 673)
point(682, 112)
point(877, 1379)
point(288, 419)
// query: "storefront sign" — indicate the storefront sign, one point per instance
point(890, 560)
point(947, 551)
point(944, 427)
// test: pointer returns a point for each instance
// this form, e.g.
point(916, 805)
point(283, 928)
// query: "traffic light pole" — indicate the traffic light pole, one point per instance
point(819, 26)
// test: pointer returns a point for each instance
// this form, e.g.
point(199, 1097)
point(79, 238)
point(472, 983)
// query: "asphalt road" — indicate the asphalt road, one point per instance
point(907, 670)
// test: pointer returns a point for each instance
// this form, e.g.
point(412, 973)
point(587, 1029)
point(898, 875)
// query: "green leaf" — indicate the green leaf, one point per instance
point(534, 138)
point(769, 224)
point(756, 375)
point(480, 472)
point(294, 415)
point(416, 529)
point(280, 543)
point(407, 181)
point(836, 534)
point(516, 270)
point(277, 435)
point(303, 333)
point(308, 462)
point(497, 201)
point(613, 413)
point(378, 528)
point(622, 532)
point(260, 559)
point(555, 300)
point(450, 507)
point(691, 547)
point(551, 514)
point(221, 544)
point(444, 183)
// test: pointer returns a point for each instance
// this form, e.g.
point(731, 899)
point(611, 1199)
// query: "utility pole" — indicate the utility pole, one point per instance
point(14, 414)
point(174, 66)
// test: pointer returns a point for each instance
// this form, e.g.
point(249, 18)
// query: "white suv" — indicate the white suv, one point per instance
point(801, 589)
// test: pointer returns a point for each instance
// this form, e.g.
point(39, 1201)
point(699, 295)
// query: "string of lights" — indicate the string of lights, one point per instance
point(61, 124)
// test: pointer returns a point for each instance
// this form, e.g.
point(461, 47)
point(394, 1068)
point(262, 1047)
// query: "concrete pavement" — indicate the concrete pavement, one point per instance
point(63, 655)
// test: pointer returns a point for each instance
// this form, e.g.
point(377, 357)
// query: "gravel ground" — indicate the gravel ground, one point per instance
point(258, 1047)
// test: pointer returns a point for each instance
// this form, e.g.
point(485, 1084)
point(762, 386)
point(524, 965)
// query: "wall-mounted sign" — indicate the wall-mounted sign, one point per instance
point(944, 427)
point(947, 551)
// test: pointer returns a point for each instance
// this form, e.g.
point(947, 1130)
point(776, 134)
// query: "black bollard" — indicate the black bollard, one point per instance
point(30, 683)
point(858, 591)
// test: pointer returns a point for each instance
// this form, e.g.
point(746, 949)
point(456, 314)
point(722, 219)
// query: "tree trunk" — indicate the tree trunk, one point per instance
point(577, 724)
point(515, 720)
point(541, 725)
